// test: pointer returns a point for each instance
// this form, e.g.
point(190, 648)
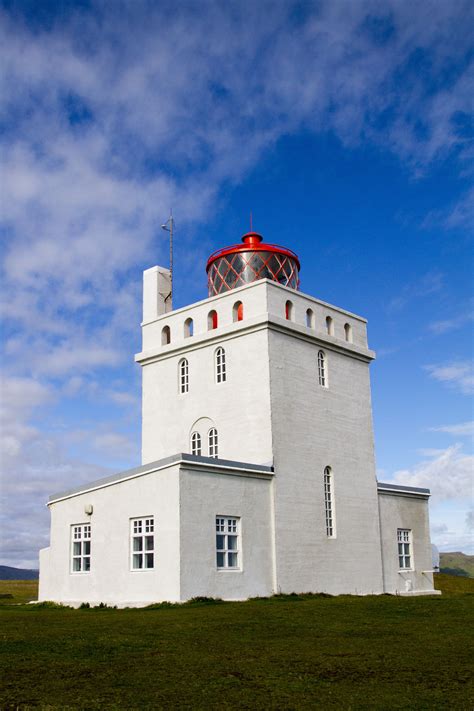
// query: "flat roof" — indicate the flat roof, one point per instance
point(402, 489)
point(180, 458)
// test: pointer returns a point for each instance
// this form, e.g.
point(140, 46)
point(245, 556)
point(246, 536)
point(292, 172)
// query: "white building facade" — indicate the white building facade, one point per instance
point(258, 472)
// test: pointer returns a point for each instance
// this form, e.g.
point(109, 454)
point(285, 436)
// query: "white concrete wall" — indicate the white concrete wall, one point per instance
point(405, 512)
point(111, 579)
point(239, 407)
point(314, 427)
point(203, 497)
point(156, 293)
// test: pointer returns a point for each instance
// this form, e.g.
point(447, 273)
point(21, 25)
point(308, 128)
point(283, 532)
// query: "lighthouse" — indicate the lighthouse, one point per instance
point(258, 469)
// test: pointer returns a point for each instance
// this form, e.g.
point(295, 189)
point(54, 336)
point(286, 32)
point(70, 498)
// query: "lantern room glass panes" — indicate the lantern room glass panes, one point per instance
point(227, 543)
point(234, 270)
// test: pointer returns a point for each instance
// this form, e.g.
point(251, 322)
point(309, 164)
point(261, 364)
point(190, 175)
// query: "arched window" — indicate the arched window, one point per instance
point(211, 320)
point(329, 503)
point(238, 311)
point(329, 326)
point(348, 332)
point(165, 335)
point(310, 318)
point(183, 376)
point(322, 369)
point(213, 442)
point(289, 311)
point(221, 372)
point(188, 327)
point(196, 447)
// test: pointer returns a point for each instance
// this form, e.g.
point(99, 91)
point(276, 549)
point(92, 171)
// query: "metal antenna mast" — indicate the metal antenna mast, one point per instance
point(168, 227)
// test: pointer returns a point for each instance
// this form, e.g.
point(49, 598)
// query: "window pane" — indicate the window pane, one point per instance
point(220, 542)
point(138, 544)
point(149, 543)
point(76, 548)
point(137, 560)
point(220, 560)
point(87, 548)
point(87, 564)
point(232, 543)
point(149, 560)
point(407, 562)
point(232, 558)
point(76, 564)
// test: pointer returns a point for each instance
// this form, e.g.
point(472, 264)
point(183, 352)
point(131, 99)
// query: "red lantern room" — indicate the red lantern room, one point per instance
point(250, 261)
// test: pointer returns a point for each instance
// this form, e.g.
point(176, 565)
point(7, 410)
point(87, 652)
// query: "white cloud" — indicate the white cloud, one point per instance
point(458, 374)
point(470, 520)
point(451, 324)
point(459, 430)
point(449, 474)
point(439, 528)
point(451, 541)
point(425, 286)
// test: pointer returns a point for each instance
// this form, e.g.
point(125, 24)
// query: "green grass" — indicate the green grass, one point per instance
point(300, 652)
point(13, 592)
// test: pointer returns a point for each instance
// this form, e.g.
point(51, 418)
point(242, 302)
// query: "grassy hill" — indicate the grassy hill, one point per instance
point(457, 564)
point(286, 652)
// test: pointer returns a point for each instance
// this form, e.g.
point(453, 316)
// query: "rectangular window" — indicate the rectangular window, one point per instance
point(227, 543)
point(81, 548)
point(183, 376)
point(221, 373)
point(404, 548)
point(143, 543)
point(329, 503)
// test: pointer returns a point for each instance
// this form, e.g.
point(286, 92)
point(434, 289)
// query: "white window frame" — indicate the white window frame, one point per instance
point(220, 365)
point(228, 548)
point(213, 442)
point(141, 547)
point(405, 548)
point(196, 444)
point(322, 369)
point(183, 374)
point(329, 509)
point(81, 548)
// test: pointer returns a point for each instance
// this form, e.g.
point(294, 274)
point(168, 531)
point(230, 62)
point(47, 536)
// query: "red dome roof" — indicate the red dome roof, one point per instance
point(240, 264)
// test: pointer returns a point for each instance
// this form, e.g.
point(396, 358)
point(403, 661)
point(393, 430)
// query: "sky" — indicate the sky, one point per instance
point(345, 126)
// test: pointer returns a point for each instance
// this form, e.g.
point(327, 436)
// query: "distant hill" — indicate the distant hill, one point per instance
point(7, 573)
point(457, 564)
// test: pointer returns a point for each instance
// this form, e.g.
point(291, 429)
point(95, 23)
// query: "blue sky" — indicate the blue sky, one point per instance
point(345, 127)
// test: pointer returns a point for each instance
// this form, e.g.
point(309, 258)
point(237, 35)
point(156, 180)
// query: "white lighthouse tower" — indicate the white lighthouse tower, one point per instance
point(258, 471)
